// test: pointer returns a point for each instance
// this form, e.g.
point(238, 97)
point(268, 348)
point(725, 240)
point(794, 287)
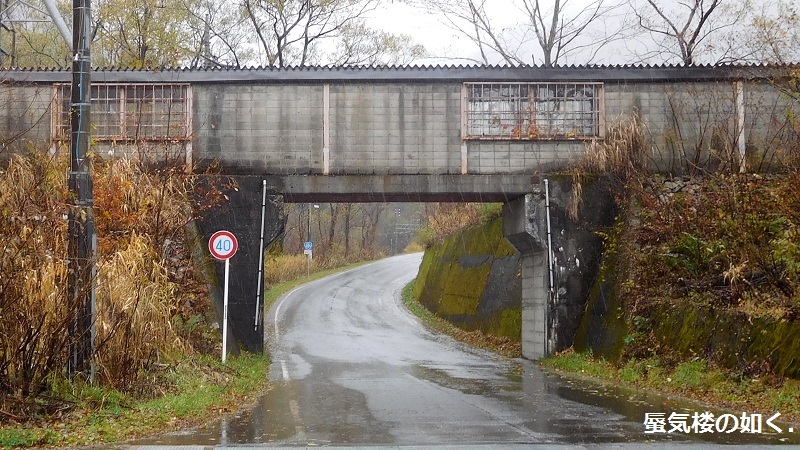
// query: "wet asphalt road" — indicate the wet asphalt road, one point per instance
point(352, 367)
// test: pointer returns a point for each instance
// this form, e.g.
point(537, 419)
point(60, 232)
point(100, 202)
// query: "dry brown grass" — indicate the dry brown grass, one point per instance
point(447, 219)
point(286, 267)
point(140, 212)
point(140, 216)
point(622, 155)
point(136, 302)
point(34, 318)
point(623, 151)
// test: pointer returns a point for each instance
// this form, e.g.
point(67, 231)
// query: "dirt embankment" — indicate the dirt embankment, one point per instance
point(704, 269)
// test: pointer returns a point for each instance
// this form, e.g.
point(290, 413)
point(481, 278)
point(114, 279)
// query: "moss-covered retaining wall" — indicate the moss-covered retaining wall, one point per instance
point(726, 337)
point(729, 338)
point(473, 280)
point(755, 338)
point(603, 327)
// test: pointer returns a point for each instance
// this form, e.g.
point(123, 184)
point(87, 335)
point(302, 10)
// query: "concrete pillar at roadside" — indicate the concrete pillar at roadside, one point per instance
point(241, 215)
point(523, 221)
point(552, 316)
point(535, 306)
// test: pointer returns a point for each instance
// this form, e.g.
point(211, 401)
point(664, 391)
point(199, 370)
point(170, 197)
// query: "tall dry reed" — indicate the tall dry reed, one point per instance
point(136, 302)
point(623, 151)
point(34, 317)
point(621, 155)
point(140, 215)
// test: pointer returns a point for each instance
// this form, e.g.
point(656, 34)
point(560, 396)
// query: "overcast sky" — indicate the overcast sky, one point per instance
point(446, 45)
point(430, 30)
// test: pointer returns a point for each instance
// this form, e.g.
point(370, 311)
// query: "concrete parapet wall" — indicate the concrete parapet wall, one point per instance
point(24, 116)
point(414, 126)
point(395, 128)
point(260, 128)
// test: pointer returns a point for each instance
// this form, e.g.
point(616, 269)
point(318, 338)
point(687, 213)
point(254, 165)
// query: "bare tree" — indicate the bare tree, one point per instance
point(471, 19)
point(686, 29)
point(556, 30)
point(221, 35)
point(133, 34)
point(348, 216)
point(288, 31)
point(773, 35)
point(361, 45)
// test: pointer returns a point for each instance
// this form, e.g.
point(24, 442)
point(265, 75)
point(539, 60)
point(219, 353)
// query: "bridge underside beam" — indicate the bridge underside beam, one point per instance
point(401, 188)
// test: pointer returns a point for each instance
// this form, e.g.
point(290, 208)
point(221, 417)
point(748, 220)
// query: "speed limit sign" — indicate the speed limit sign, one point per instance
point(223, 245)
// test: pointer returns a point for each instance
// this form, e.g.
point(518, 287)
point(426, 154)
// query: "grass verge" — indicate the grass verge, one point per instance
point(502, 346)
point(195, 390)
point(695, 381)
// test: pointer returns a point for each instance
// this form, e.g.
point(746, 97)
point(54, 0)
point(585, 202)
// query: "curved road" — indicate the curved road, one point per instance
point(367, 372)
point(352, 366)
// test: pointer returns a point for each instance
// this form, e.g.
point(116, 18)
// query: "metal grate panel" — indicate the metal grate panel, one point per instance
point(530, 111)
point(128, 112)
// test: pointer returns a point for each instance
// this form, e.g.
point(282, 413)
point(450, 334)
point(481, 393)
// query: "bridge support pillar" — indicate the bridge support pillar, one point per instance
point(552, 313)
point(536, 306)
point(522, 220)
point(241, 215)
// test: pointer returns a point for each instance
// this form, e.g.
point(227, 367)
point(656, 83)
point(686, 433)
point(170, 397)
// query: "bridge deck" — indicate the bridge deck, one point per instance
point(403, 188)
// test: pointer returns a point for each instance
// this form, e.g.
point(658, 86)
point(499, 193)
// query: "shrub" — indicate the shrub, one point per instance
point(139, 218)
point(35, 318)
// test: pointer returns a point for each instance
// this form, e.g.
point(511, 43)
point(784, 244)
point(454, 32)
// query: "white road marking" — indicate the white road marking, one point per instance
point(380, 298)
point(286, 295)
point(278, 308)
point(295, 409)
point(285, 370)
point(293, 405)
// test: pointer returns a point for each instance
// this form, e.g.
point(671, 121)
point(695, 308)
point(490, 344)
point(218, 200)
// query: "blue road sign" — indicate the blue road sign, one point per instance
point(308, 245)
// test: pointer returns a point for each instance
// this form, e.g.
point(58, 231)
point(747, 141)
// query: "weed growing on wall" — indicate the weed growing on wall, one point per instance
point(621, 157)
point(713, 263)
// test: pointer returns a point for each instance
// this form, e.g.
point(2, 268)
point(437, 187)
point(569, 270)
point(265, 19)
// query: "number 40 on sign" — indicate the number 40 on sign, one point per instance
point(223, 245)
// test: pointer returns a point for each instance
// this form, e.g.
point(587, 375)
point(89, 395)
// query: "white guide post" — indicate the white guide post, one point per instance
point(225, 312)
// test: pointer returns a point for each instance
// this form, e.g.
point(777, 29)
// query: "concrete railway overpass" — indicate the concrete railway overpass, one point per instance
point(318, 134)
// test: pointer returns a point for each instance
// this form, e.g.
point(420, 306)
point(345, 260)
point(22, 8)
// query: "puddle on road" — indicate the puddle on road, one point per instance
point(277, 419)
point(581, 423)
point(444, 379)
point(270, 420)
point(570, 410)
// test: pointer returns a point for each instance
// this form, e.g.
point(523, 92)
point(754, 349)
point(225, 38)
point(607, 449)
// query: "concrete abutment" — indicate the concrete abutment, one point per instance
point(551, 314)
point(239, 211)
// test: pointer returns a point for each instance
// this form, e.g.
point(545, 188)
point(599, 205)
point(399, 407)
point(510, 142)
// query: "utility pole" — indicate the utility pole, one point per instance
point(82, 235)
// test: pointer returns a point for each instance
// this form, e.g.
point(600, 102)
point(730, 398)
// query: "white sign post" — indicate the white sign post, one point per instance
point(223, 246)
point(308, 252)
